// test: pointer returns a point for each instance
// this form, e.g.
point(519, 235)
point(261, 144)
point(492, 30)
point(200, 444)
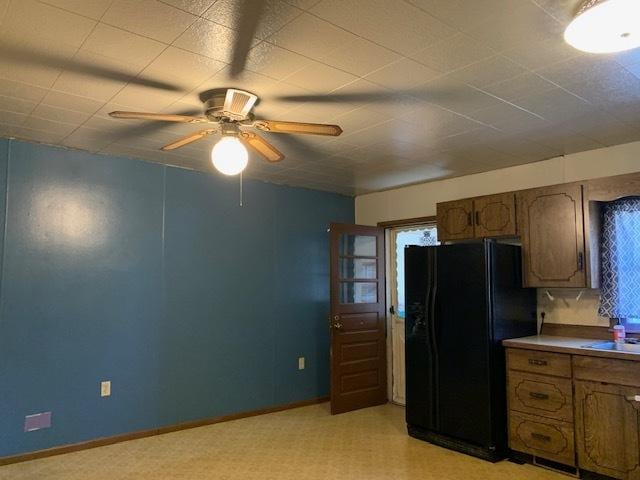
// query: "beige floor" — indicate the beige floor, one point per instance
point(302, 444)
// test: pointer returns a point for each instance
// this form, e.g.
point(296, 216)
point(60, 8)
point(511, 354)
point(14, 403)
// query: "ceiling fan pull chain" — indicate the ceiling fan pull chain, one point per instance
point(241, 189)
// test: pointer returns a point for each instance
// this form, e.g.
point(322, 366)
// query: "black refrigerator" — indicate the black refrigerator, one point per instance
point(461, 301)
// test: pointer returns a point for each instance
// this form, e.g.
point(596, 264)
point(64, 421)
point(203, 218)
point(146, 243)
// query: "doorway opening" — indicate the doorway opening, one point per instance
point(398, 238)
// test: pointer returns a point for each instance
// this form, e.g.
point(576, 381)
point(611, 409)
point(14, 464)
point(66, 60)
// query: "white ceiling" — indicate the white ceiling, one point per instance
point(428, 88)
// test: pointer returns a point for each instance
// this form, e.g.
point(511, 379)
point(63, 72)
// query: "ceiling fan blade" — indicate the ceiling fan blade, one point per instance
point(261, 146)
point(181, 142)
point(158, 116)
point(249, 14)
point(277, 126)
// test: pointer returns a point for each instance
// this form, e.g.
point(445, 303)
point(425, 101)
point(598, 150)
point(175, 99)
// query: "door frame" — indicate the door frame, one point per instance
point(389, 242)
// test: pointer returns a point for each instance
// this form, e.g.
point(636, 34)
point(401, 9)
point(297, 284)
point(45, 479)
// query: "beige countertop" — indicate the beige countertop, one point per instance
point(576, 346)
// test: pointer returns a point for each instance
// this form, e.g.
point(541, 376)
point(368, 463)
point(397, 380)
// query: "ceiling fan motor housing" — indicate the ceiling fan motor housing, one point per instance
point(230, 104)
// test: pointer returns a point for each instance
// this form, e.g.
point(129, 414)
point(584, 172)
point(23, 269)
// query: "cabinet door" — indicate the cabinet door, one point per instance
point(551, 227)
point(495, 215)
point(455, 220)
point(607, 429)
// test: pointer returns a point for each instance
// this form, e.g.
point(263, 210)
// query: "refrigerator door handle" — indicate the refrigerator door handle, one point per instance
point(431, 325)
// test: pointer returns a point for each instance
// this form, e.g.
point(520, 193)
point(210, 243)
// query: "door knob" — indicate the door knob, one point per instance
point(337, 325)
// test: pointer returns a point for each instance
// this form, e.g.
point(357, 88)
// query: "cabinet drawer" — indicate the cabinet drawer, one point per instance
point(542, 437)
point(607, 370)
point(547, 363)
point(550, 397)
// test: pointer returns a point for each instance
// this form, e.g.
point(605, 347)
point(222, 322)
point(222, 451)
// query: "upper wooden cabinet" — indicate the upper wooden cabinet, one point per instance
point(455, 220)
point(551, 228)
point(495, 215)
point(489, 216)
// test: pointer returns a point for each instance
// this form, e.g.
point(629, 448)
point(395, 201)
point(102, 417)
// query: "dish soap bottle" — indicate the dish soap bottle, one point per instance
point(619, 335)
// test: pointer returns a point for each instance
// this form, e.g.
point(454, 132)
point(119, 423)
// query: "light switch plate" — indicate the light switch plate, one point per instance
point(301, 363)
point(105, 388)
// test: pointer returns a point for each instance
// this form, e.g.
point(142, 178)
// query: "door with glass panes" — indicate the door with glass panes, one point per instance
point(357, 319)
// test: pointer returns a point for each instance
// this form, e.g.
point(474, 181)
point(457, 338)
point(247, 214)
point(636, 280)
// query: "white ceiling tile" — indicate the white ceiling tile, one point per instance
point(182, 68)
point(508, 119)
point(88, 8)
point(123, 46)
point(89, 139)
point(57, 128)
point(463, 14)
point(41, 136)
point(56, 114)
point(581, 69)
point(17, 105)
point(395, 25)
point(618, 90)
point(519, 87)
point(149, 18)
point(273, 61)
point(22, 90)
point(488, 71)
point(453, 53)
point(92, 79)
point(562, 10)
point(53, 25)
point(311, 36)
point(455, 96)
point(12, 118)
point(71, 102)
point(275, 14)
point(360, 57)
point(518, 23)
point(209, 39)
point(197, 7)
point(321, 78)
point(16, 71)
point(543, 52)
point(149, 99)
point(555, 105)
point(402, 74)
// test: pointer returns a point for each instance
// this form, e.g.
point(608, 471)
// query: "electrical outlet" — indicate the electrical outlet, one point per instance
point(105, 388)
point(301, 363)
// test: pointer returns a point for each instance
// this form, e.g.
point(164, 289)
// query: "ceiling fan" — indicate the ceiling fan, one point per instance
point(229, 111)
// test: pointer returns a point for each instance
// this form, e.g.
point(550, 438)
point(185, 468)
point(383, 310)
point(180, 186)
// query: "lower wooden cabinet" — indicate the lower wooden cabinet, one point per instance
point(542, 437)
point(577, 410)
point(607, 429)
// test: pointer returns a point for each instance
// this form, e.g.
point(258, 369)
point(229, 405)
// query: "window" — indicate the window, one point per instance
point(620, 257)
point(423, 236)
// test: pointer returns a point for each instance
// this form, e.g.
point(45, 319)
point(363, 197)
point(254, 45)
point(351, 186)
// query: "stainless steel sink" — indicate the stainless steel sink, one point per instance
point(624, 347)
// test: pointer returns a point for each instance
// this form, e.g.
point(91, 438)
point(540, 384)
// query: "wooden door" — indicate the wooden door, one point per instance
point(495, 215)
point(551, 227)
point(455, 220)
point(608, 429)
point(358, 335)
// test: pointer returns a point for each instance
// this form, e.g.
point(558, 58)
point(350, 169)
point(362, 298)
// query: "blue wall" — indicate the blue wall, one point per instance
point(154, 278)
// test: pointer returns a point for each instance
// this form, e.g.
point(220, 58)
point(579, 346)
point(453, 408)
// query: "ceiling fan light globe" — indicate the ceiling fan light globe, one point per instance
point(606, 27)
point(229, 156)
